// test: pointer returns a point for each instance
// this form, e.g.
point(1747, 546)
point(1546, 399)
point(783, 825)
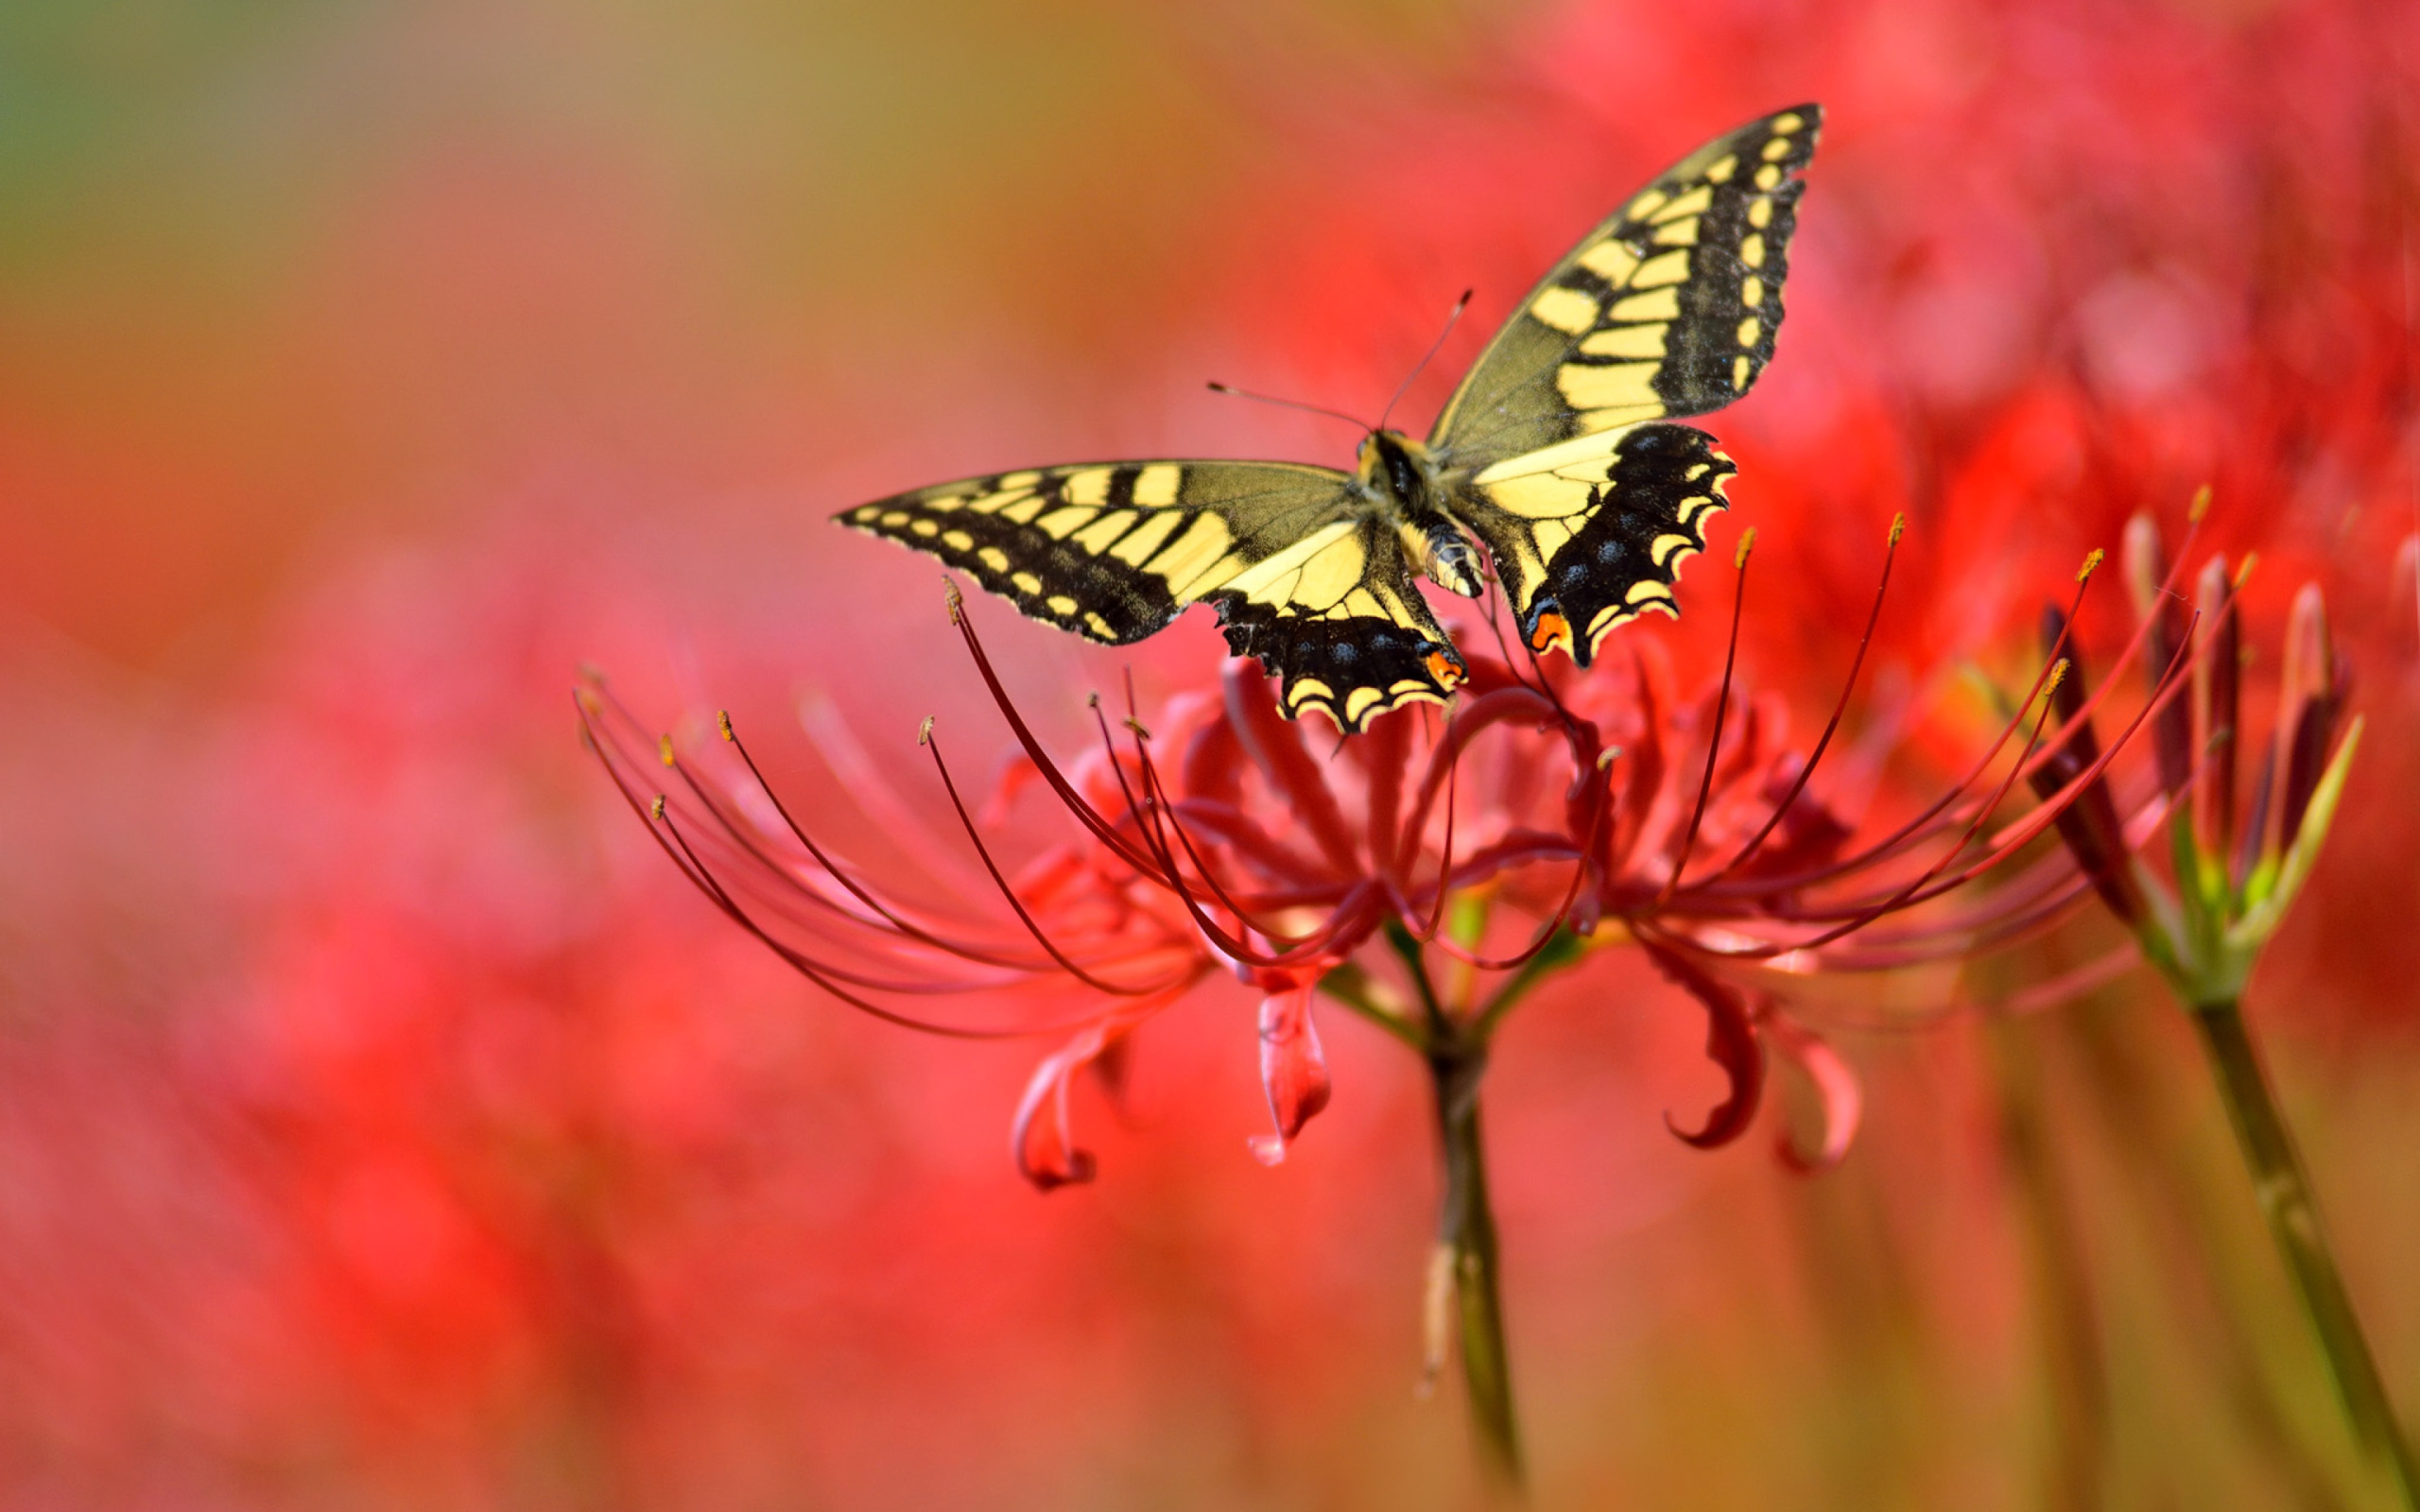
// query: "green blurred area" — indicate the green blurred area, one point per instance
point(273, 270)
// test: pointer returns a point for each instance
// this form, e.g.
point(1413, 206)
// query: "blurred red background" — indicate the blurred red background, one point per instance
point(383, 1123)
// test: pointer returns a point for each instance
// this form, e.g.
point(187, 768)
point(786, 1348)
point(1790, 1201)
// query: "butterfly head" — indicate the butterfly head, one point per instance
point(1392, 466)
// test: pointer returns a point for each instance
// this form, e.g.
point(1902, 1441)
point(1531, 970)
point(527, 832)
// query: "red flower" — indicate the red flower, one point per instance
point(1549, 815)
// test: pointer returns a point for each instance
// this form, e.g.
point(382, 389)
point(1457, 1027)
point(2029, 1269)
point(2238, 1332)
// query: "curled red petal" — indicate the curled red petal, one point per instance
point(1731, 1043)
point(1293, 1068)
point(1041, 1139)
point(1836, 1089)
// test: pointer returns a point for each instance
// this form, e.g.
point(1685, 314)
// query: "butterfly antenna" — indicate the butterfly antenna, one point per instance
point(1290, 404)
point(1451, 317)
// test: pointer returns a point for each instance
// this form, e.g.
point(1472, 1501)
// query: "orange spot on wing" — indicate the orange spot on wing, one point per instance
point(1552, 631)
point(1442, 667)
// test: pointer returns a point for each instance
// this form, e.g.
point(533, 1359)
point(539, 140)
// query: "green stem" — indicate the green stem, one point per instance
point(1456, 1055)
point(1351, 986)
point(1559, 953)
point(1466, 1229)
point(2284, 1192)
point(1432, 1012)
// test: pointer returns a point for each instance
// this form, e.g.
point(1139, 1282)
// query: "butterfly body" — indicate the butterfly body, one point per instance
point(1402, 483)
point(1555, 456)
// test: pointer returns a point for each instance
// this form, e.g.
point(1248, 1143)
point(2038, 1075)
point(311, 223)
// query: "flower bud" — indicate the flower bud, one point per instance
point(2311, 701)
point(2089, 824)
point(2146, 571)
point(2215, 680)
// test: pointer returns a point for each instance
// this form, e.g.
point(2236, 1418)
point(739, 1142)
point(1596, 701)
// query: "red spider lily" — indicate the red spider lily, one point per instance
point(875, 946)
point(2235, 875)
point(1550, 813)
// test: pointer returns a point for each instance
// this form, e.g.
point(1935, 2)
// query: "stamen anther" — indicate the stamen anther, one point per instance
point(2201, 505)
point(1746, 545)
point(1898, 527)
point(663, 749)
point(2091, 564)
point(722, 718)
point(924, 731)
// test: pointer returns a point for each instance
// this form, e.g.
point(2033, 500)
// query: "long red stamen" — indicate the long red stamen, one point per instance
point(1075, 801)
point(1354, 915)
point(1722, 706)
point(1025, 916)
point(737, 839)
point(1924, 888)
point(737, 835)
point(1940, 815)
point(1548, 931)
point(1156, 800)
point(1907, 893)
point(1832, 725)
point(806, 966)
point(840, 875)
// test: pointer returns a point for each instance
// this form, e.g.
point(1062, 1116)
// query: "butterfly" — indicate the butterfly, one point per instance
point(1555, 455)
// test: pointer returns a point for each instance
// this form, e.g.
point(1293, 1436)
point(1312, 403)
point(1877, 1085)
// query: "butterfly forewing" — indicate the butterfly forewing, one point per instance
point(1112, 551)
point(1669, 308)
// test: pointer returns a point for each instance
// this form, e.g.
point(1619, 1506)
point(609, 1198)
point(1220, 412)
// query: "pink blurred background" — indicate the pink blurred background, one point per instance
point(383, 1123)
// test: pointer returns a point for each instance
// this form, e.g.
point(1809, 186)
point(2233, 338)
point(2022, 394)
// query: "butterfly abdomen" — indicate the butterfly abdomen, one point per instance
point(1453, 563)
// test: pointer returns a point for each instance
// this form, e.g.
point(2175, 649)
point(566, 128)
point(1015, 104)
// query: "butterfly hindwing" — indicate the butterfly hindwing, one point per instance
point(1112, 551)
point(1591, 533)
point(1667, 309)
point(1339, 616)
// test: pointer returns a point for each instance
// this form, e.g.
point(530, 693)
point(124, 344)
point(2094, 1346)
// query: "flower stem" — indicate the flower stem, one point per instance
point(2284, 1192)
point(1466, 1230)
point(1560, 951)
point(1455, 1046)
